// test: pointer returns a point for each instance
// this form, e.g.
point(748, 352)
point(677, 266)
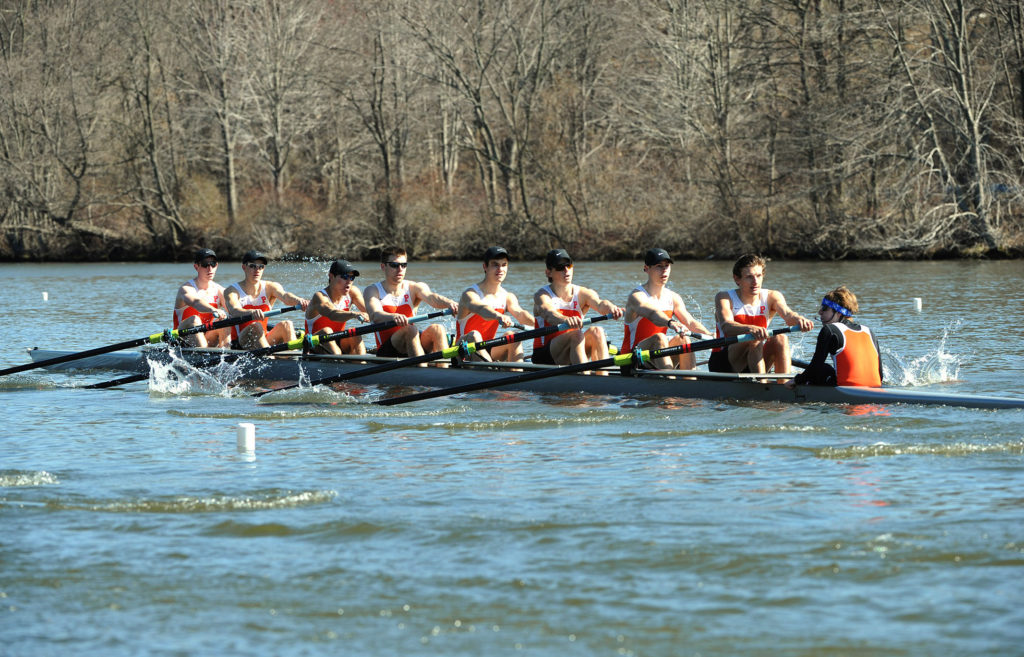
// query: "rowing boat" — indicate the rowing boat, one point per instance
point(695, 384)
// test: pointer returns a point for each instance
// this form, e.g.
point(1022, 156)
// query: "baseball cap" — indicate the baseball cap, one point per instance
point(253, 256)
point(341, 267)
point(654, 256)
point(557, 257)
point(494, 253)
point(203, 254)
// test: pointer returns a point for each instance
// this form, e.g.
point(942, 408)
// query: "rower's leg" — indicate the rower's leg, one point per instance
point(683, 361)
point(407, 341)
point(568, 348)
point(282, 332)
point(353, 345)
point(329, 347)
point(776, 352)
point(196, 339)
point(253, 336)
point(434, 338)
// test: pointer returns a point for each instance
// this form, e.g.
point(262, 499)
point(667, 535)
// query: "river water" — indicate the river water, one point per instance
point(504, 524)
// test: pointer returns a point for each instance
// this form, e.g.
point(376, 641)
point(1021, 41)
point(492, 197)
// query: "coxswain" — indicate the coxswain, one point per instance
point(487, 305)
point(560, 301)
point(652, 309)
point(333, 306)
point(255, 296)
point(396, 299)
point(200, 301)
point(748, 309)
point(852, 346)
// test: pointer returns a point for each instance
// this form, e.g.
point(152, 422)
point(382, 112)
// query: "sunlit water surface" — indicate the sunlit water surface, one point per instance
point(508, 523)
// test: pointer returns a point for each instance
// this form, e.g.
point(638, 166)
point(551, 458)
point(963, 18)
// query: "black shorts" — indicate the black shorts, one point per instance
point(388, 350)
point(719, 362)
point(542, 356)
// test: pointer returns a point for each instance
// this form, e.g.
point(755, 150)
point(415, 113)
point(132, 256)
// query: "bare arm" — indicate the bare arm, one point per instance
point(471, 303)
point(730, 327)
point(187, 296)
point(321, 305)
point(422, 292)
point(680, 311)
point(589, 298)
point(517, 311)
point(376, 310)
point(777, 303)
point(545, 309)
point(275, 291)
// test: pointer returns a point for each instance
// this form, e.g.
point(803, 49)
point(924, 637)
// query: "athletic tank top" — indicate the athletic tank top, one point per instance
point(400, 302)
point(642, 328)
point(755, 314)
point(211, 295)
point(570, 308)
point(857, 360)
point(320, 323)
point(473, 322)
point(257, 301)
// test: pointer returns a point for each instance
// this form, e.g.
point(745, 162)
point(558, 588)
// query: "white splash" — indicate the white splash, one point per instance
point(935, 366)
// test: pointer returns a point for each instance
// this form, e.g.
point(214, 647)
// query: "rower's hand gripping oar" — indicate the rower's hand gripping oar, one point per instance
point(307, 341)
point(619, 360)
point(164, 336)
point(462, 349)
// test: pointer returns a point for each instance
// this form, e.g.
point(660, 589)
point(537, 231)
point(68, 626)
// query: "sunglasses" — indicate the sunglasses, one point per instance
point(397, 265)
point(211, 263)
point(255, 267)
point(348, 277)
point(562, 267)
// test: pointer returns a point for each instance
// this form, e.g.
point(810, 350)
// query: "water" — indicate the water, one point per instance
point(508, 523)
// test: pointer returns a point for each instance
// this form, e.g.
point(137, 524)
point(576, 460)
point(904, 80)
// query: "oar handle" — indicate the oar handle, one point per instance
point(627, 358)
point(472, 347)
point(621, 359)
point(224, 323)
point(379, 326)
point(383, 367)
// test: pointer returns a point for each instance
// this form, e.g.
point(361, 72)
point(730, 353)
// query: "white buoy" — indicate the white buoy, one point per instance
point(246, 437)
point(46, 296)
point(917, 304)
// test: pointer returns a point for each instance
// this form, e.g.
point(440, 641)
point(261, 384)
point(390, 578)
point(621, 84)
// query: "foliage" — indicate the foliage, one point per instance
point(811, 128)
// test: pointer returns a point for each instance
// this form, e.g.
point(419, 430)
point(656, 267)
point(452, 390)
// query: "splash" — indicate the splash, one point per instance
point(178, 377)
point(935, 366)
point(18, 478)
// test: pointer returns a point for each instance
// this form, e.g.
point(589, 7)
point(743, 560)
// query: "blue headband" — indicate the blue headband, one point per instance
point(836, 307)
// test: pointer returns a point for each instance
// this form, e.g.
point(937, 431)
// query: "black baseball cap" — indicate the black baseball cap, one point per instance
point(253, 256)
point(494, 253)
point(203, 254)
point(341, 267)
point(557, 257)
point(654, 256)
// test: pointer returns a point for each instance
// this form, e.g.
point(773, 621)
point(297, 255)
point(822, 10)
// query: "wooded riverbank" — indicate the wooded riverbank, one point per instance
point(133, 130)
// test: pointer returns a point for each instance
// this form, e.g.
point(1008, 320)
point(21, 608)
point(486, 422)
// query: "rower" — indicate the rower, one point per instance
point(486, 305)
point(560, 301)
point(652, 309)
point(333, 306)
point(852, 346)
point(253, 295)
point(396, 299)
point(199, 301)
point(748, 309)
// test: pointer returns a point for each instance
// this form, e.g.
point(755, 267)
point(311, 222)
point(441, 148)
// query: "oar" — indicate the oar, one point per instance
point(312, 341)
point(619, 360)
point(166, 335)
point(463, 348)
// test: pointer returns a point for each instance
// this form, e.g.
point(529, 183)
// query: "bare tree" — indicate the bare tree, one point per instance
point(952, 65)
point(212, 37)
point(282, 100)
